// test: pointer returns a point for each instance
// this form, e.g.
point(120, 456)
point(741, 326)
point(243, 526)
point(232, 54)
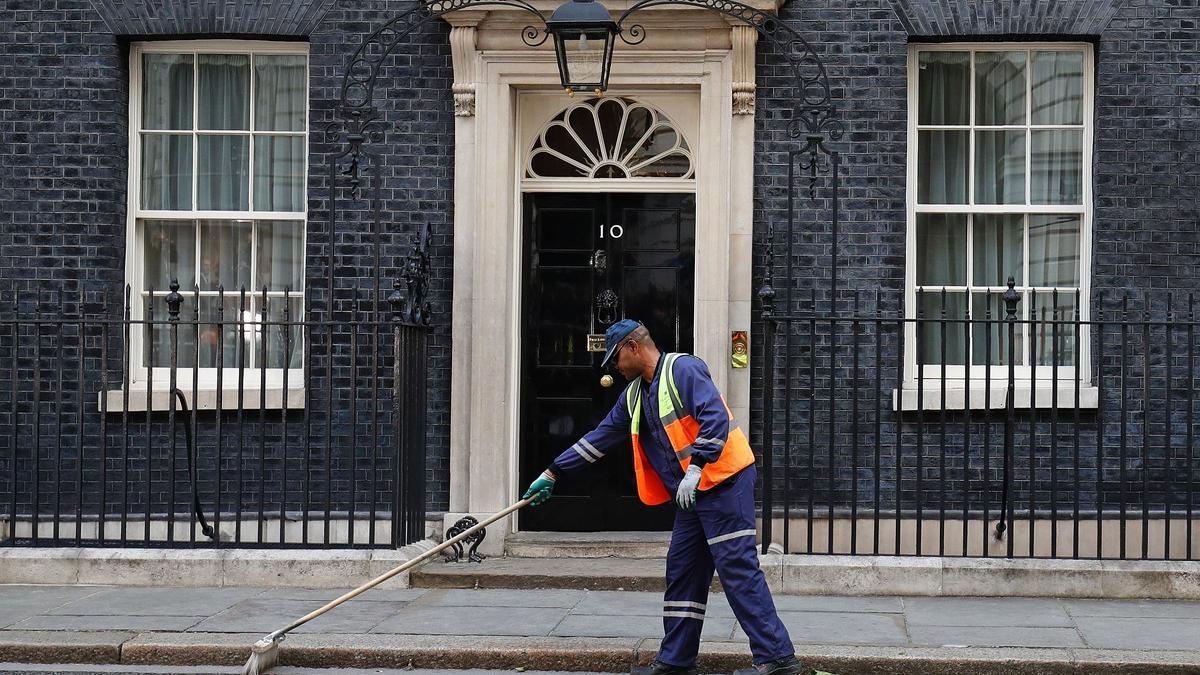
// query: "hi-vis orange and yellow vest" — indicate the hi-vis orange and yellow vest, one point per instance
point(683, 430)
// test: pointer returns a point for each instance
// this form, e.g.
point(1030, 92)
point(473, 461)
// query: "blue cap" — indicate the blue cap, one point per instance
point(614, 335)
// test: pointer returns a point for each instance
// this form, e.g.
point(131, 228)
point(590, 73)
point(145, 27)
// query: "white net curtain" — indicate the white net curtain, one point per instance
point(998, 130)
point(222, 198)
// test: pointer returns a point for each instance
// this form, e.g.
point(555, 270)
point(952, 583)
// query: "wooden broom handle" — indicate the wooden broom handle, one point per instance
point(402, 567)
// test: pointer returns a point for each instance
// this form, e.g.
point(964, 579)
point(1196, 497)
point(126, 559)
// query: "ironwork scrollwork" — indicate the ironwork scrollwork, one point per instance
point(529, 35)
point(635, 34)
point(816, 112)
point(411, 305)
point(455, 554)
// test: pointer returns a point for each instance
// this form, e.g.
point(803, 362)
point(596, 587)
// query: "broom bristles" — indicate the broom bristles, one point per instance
point(263, 655)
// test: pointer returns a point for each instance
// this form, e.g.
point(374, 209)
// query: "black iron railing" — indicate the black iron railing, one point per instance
point(1022, 429)
point(223, 419)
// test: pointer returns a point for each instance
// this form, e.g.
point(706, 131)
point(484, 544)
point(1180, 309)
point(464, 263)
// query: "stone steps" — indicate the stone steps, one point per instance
point(599, 561)
point(596, 574)
point(630, 545)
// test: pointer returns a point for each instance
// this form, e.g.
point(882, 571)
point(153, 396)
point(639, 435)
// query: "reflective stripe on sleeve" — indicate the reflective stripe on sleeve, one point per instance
point(583, 453)
point(591, 448)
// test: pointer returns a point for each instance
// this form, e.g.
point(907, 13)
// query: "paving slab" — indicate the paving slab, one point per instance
point(1182, 609)
point(136, 601)
point(507, 621)
point(629, 603)
point(320, 596)
point(262, 615)
point(48, 595)
point(1047, 612)
point(1150, 634)
point(504, 598)
point(837, 603)
point(21, 601)
point(842, 628)
point(592, 625)
point(994, 636)
point(114, 622)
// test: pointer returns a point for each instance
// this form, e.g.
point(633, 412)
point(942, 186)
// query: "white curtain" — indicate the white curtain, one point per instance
point(224, 104)
point(280, 86)
point(944, 91)
point(280, 255)
point(280, 91)
point(944, 88)
point(279, 173)
point(1054, 250)
point(166, 172)
point(999, 88)
point(997, 249)
point(1057, 87)
point(1057, 167)
point(166, 168)
point(999, 167)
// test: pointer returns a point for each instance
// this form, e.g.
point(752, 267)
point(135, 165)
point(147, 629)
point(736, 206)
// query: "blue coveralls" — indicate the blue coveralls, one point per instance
point(718, 534)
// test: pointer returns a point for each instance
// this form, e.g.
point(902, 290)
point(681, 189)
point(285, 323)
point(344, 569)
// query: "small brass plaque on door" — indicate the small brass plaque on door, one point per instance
point(595, 342)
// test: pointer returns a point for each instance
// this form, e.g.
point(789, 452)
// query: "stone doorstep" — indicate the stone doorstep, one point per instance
point(787, 574)
point(593, 574)
point(636, 545)
point(568, 654)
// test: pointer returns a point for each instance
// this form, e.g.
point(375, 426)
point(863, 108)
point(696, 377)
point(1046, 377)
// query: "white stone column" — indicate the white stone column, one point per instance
point(741, 231)
point(465, 58)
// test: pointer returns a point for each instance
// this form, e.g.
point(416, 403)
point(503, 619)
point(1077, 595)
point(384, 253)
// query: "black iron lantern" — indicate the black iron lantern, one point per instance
point(583, 42)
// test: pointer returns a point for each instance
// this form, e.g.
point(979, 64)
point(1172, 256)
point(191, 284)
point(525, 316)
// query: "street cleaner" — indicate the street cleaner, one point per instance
point(686, 445)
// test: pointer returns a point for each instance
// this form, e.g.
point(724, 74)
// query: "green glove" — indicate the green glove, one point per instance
point(540, 489)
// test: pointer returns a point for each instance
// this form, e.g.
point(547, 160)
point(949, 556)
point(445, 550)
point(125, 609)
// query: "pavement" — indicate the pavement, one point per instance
point(584, 630)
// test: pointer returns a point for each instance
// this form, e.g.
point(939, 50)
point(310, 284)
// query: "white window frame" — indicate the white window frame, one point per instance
point(205, 379)
point(1028, 378)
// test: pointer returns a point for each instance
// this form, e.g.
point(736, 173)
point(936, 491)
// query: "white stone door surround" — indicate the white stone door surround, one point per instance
point(694, 65)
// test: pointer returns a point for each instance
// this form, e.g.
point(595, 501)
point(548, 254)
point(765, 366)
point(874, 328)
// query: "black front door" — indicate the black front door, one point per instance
point(591, 259)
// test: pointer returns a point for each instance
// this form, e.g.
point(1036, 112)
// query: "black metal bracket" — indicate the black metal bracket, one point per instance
point(456, 549)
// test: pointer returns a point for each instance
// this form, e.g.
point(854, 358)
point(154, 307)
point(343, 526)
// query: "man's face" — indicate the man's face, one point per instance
point(627, 359)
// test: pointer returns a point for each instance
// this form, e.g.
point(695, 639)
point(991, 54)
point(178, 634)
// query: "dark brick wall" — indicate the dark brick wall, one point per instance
point(63, 119)
point(283, 18)
point(1146, 237)
point(416, 162)
point(63, 73)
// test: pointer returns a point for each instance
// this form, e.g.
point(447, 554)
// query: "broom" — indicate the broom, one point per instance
point(265, 653)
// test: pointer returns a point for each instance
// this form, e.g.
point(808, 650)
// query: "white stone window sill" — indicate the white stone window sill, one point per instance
point(206, 398)
point(1040, 396)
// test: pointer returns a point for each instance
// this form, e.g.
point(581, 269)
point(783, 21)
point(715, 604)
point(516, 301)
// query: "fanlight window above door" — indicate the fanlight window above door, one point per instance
point(610, 138)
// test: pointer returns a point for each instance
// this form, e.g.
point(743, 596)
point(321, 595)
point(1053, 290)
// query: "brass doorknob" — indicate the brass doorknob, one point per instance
point(606, 381)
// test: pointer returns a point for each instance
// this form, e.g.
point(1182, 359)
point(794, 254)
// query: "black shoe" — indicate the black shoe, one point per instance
point(788, 665)
point(660, 668)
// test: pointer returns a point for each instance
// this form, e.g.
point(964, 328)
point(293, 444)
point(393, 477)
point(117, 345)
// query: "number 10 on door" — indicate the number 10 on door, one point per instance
point(613, 231)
